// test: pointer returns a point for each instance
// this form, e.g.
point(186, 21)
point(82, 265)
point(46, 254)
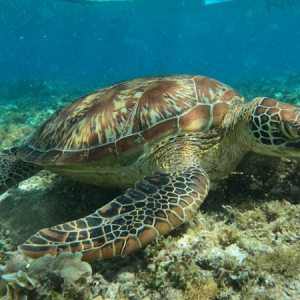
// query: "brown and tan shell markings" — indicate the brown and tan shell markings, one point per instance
point(128, 115)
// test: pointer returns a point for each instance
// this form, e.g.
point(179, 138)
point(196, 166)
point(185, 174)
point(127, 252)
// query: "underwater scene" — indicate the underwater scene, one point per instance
point(174, 174)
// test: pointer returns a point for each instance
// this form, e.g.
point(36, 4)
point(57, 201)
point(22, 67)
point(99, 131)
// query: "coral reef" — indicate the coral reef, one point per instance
point(243, 244)
point(286, 89)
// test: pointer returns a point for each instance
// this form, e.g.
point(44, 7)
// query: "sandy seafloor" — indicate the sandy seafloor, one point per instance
point(243, 243)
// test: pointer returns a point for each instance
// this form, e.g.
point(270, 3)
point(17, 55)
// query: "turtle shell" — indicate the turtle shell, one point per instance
point(126, 117)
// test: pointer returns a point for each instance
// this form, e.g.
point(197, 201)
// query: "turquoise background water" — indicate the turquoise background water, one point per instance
point(107, 42)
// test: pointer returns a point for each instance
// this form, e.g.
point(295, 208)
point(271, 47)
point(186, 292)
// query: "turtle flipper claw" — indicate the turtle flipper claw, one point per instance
point(13, 170)
point(129, 222)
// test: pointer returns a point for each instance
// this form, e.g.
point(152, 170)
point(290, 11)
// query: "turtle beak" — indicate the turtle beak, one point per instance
point(290, 129)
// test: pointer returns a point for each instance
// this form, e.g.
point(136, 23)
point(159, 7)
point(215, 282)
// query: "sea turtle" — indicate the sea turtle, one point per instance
point(174, 133)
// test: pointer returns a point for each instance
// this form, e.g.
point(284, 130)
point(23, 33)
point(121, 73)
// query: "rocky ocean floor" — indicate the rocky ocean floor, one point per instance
point(243, 243)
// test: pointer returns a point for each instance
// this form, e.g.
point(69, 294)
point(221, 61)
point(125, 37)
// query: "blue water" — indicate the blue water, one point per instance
point(107, 42)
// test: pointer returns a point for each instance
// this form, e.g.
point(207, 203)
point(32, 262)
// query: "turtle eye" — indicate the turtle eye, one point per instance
point(291, 130)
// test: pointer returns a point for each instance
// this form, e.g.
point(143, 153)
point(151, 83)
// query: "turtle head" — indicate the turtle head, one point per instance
point(275, 128)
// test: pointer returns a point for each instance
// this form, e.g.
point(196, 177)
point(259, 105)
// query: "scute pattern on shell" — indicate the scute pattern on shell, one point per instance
point(126, 115)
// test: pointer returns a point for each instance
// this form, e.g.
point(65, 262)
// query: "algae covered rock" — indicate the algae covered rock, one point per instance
point(46, 277)
point(40, 267)
point(17, 262)
point(70, 267)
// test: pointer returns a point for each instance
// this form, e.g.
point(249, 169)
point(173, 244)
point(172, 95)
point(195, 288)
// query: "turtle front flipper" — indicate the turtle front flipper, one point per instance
point(129, 222)
point(13, 170)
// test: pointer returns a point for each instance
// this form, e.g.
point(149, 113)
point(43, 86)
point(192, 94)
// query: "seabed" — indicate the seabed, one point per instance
point(243, 243)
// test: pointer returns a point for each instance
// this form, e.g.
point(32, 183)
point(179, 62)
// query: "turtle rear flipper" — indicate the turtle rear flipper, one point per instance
point(13, 170)
point(129, 222)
